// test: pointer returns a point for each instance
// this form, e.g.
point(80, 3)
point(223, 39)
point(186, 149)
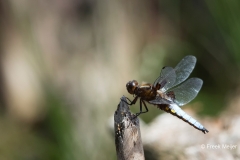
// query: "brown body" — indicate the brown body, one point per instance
point(146, 92)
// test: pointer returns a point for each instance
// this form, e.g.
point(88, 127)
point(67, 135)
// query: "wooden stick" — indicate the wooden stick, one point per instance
point(127, 133)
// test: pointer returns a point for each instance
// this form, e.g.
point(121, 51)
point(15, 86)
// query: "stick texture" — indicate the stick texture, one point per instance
point(127, 133)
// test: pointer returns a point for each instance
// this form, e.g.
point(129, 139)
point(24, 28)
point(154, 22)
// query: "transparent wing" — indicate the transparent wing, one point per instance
point(166, 79)
point(184, 68)
point(187, 91)
point(160, 100)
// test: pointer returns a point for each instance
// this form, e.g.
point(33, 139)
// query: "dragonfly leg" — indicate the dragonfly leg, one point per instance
point(145, 107)
point(141, 102)
point(131, 102)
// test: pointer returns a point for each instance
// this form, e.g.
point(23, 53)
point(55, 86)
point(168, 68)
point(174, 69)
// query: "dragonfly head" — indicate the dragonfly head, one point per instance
point(131, 86)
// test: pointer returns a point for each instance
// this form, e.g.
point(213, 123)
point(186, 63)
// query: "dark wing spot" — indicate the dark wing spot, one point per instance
point(158, 86)
point(171, 94)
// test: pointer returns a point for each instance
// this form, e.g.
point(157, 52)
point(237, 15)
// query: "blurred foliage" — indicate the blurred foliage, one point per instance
point(57, 127)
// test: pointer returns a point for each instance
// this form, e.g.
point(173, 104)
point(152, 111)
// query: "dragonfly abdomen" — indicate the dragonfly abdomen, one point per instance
point(178, 112)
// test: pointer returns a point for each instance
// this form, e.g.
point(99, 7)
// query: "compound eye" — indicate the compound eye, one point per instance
point(135, 83)
point(128, 85)
point(131, 86)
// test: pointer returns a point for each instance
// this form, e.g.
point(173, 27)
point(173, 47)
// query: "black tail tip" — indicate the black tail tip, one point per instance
point(204, 130)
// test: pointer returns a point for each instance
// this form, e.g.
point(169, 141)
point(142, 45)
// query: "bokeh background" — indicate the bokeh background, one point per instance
point(64, 65)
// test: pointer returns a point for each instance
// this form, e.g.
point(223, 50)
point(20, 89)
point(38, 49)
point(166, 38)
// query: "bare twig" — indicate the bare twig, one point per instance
point(127, 134)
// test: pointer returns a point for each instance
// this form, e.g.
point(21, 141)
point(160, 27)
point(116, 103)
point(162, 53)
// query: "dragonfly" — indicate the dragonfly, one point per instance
point(170, 91)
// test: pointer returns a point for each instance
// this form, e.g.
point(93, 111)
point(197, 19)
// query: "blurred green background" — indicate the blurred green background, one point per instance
point(64, 65)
